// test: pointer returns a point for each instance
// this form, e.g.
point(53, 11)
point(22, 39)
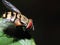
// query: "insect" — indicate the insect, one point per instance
point(16, 16)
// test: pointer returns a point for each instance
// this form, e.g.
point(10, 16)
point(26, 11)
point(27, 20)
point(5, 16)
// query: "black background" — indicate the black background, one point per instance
point(46, 17)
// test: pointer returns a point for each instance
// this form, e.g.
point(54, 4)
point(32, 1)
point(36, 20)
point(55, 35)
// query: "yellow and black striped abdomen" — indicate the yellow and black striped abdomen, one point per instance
point(14, 17)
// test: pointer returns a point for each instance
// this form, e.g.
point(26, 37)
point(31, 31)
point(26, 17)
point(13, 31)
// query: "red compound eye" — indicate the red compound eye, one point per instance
point(30, 24)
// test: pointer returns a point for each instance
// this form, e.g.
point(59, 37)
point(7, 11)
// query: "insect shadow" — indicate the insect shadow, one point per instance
point(17, 33)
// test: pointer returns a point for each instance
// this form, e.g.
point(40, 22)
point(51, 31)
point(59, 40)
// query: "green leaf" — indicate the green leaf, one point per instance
point(24, 42)
point(5, 40)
